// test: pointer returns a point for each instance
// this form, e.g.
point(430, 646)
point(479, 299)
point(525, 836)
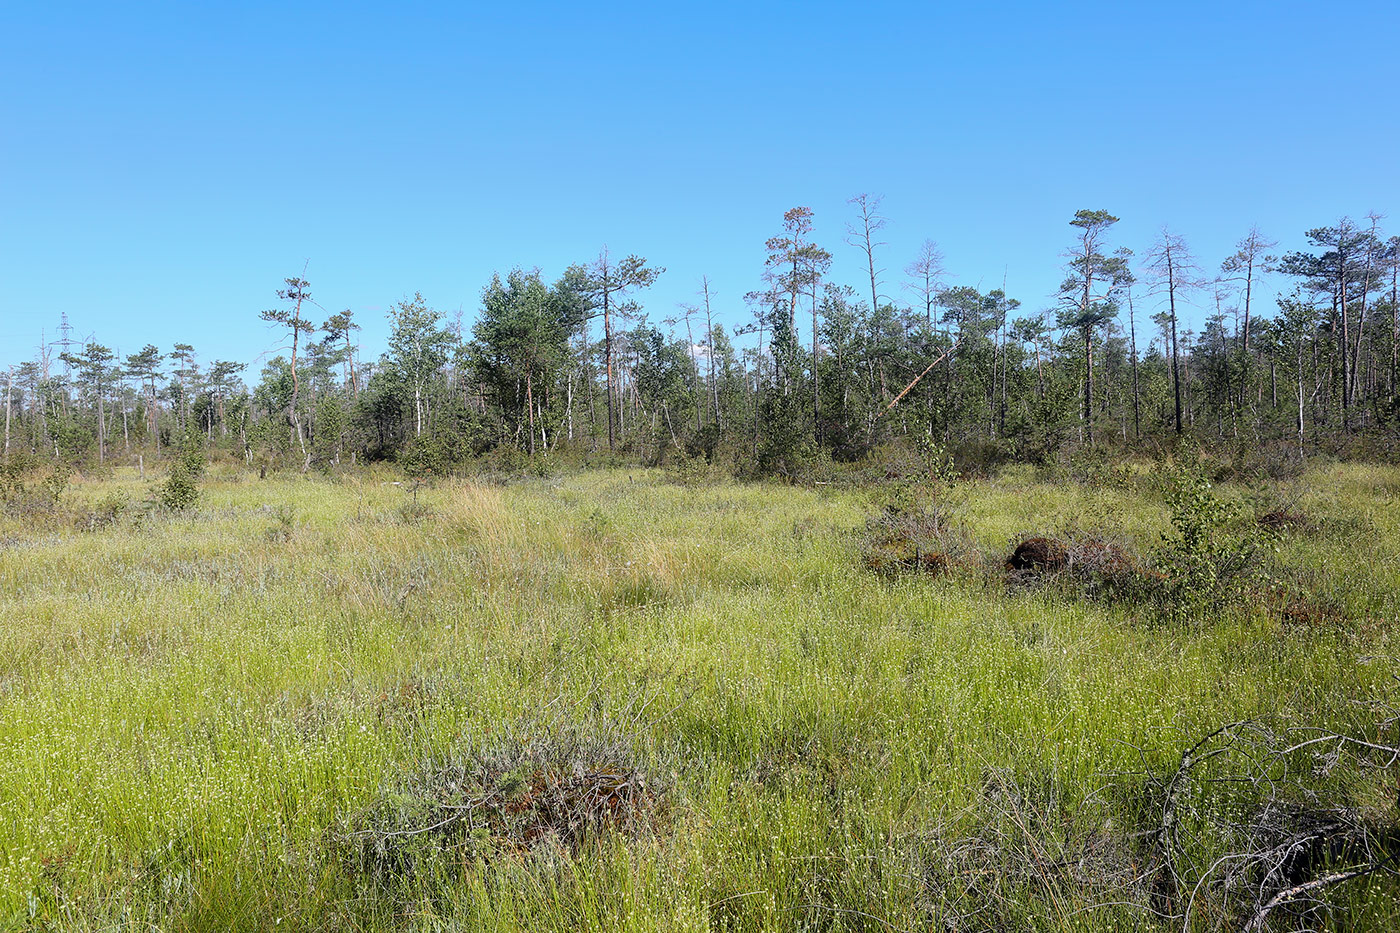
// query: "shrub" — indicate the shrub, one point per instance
point(105, 511)
point(691, 469)
point(1252, 460)
point(504, 459)
point(284, 525)
point(180, 491)
point(918, 540)
point(1210, 556)
point(429, 455)
point(34, 500)
point(1099, 468)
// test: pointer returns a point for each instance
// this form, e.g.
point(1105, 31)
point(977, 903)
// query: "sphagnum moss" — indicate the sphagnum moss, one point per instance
point(191, 708)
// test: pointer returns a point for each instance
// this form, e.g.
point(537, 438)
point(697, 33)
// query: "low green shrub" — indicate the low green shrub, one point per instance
point(1213, 554)
point(180, 491)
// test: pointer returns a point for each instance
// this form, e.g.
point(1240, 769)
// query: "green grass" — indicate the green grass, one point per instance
point(196, 709)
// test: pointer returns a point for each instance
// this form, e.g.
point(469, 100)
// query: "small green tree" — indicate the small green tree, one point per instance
point(418, 350)
point(518, 348)
point(787, 441)
point(1212, 552)
point(180, 491)
point(328, 429)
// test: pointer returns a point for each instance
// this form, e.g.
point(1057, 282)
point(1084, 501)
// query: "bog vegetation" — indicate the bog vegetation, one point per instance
point(1158, 695)
point(864, 615)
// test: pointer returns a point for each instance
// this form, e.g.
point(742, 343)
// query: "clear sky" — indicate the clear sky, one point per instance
point(164, 166)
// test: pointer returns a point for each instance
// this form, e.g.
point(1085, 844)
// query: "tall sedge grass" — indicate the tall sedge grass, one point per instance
point(192, 707)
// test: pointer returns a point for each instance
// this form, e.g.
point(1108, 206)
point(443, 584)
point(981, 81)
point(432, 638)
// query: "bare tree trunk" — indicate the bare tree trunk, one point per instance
point(350, 359)
point(1346, 341)
point(1137, 396)
point(1085, 304)
point(608, 359)
point(151, 410)
point(1001, 415)
point(710, 341)
point(1089, 384)
point(694, 369)
point(1176, 366)
point(1039, 372)
point(9, 393)
point(1394, 323)
point(792, 301)
point(592, 401)
point(530, 407)
point(296, 388)
point(1300, 394)
point(870, 222)
point(1244, 340)
point(1361, 311)
point(568, 410)
point(816, 374)
point(757, 385)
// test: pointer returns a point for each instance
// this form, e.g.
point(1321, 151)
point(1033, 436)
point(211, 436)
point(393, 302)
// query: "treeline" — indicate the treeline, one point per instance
point(818, 370)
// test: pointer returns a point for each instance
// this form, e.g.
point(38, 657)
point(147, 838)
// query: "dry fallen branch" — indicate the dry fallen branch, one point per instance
point(1300, 891)
point(1288, 832)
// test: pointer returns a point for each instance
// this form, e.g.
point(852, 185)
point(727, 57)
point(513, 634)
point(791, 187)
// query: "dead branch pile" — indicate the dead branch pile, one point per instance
point(915, 540)
point(1102, 567)
point(1284, 520)
point(557, 788)
point(1256, 823)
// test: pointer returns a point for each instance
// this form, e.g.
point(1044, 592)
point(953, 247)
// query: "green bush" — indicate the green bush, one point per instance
point(37, 498)
point(105, 511)
point(1210, 557)
point(180, 491)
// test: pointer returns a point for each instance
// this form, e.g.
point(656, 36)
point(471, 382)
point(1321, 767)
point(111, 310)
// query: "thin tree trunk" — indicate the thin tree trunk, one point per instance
point(1394, 324)
point(1089, 384)
point(1346, 341)
point(816, 374)
point(1137, 397)
point(694, 369)
point(1300, 394)
point(710, 341)
point(1085, 304)
point(568, 409)
point(1176, 366)
point(296, 388)
point(608, 358)
point(9, 394)
point(530, 407)
point(350, 359)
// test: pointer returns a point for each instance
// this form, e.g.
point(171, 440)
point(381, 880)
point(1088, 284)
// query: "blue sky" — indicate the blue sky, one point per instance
point(164, 166)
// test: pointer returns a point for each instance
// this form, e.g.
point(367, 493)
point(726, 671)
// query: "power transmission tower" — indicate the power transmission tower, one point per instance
point(66, 342)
